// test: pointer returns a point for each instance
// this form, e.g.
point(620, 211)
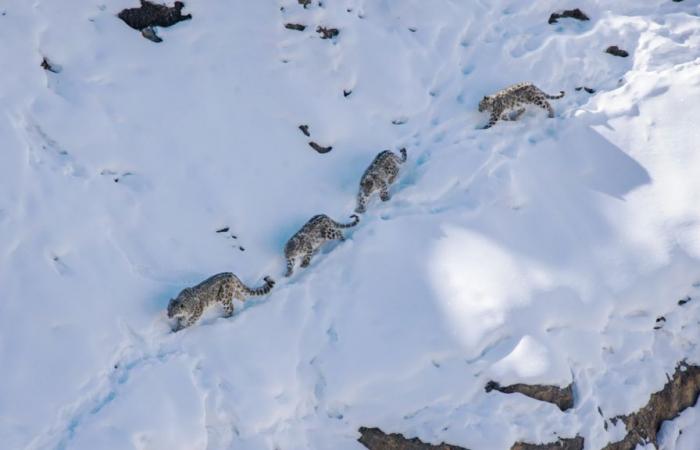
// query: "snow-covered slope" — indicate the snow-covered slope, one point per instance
point(539, 251)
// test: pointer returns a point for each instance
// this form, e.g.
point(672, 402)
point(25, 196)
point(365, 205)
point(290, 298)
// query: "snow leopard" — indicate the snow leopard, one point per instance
point(378, 176)
point(150, 15)
point(222, 288)
point(506, 101)
point(309, 239)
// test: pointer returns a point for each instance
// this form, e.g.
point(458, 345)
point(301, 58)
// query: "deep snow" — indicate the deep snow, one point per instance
point(540, 251)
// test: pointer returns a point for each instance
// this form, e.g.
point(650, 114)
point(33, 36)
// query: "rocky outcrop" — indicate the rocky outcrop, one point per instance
point(150, 15)
point(295, 26)
point(327, 33)
point(563, 398)
point(680, 392)
point(562, 444)
point(376, 439)
point(572, 13)
point(319, 148)
point(617, 51)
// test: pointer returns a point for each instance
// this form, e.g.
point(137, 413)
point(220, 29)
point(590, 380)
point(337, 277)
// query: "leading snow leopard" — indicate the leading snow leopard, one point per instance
point(378, 176)
point(222, 288)
point(506, 101)
point(306, 242)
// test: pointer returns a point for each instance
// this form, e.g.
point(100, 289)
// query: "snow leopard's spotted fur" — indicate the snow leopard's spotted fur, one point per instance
point(511, 99)
point(222, 288)
point(306, 242)
point(378, 176)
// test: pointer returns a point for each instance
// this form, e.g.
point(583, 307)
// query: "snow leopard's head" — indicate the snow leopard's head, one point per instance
point(485, 103)
point(177, 307)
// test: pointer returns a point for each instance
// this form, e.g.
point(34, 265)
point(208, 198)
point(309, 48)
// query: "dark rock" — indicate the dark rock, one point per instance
point(223, 230)
point(660, 321)
point(563, 398)
point(153, 15)
point(683, 301)
point(319, 148)
point(562, 444)
point(573, 13)
point(412, 29)
point(617, 51)
point(150, 34)
point(376, 439)
point(305, 129)
point(327, 33)
point(46, 65)
point(587, 89)
point(295, 26)
point(346, 93)
point(680, 392)
point(398, 121)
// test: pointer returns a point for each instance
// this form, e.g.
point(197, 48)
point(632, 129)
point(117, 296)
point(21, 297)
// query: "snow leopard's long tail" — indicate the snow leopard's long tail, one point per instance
point(561, 94)
point(404, 156)
point(262, 290)
point(356, 220)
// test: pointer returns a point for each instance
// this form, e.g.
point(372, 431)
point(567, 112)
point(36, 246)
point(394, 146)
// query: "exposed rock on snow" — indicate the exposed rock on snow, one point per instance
point(150, 15)
point(562, 397)
point(575, 443)
point(295, 26)
point(47, 65)
point(320, 148)
point(679, 393)
point(573, 13)
point(617, 51)
point(376, 439)
point(327, 33)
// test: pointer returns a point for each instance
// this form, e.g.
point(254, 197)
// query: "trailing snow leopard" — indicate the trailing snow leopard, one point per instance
point(378, 176)
point(504, 102)
point(189, 305)
point(311, 237)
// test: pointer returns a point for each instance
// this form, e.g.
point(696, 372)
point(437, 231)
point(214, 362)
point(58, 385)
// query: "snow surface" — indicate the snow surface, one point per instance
point(539, 251)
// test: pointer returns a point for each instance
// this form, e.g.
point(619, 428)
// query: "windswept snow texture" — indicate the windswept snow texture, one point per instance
point(540, 251)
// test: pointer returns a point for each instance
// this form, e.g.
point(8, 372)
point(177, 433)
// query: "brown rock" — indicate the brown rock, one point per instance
point(376, 439)
point(562, 444)
point(617, 51)
point(680, 392)
point(563, 398)
point(327, 33)
point(295, 26)
point(320, 148)
point(573, 13)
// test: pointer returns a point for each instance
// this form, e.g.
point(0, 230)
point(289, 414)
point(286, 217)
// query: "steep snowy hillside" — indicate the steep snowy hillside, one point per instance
point(541, 251)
